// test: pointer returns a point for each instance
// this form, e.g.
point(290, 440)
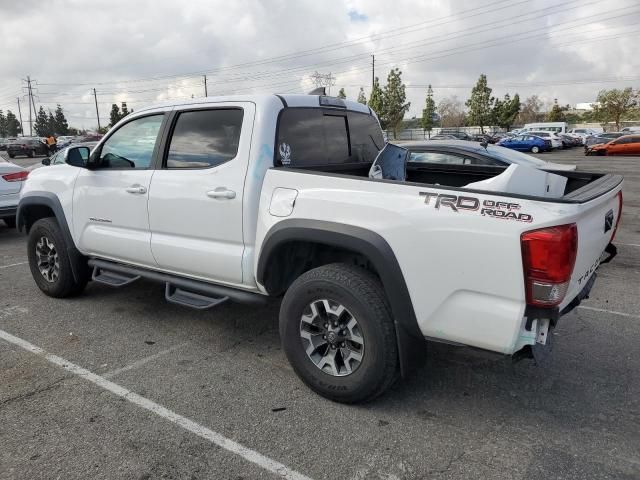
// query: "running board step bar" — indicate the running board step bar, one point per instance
point(186, 298)
point(185, 286)
point(113, 279)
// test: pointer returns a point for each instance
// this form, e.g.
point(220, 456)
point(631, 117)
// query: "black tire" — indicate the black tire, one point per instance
point(11, 155)
point(64, 285)
point(11, 222)
point(361, 293)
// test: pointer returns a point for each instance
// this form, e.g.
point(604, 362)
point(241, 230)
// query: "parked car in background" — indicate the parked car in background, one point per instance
point(628, 130)
point(12, 178)
point(456, 133)
point(583, 132)
point(569, 141)
point(556, 141)
point(64, 141)
point(26, 146)
point(625, 145)
point(443, 137)
point(557, 127)
point(483, 137)
point(527, 143)
point(603, 137)
point(3, 143)
point(457, 152)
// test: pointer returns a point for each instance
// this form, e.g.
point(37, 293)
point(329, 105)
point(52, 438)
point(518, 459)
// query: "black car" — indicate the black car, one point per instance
point(27, 146)
point(456, 133)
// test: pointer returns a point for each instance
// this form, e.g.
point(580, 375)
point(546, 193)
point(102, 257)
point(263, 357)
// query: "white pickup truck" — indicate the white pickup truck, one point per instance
point(240, 198)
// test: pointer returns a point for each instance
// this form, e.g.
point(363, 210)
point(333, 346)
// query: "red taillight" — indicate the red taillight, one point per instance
point(548, 257)
point(15, 177)
point(615, 229)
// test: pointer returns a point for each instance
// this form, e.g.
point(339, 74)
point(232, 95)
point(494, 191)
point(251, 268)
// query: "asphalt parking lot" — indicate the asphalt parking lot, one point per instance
point(168, 389)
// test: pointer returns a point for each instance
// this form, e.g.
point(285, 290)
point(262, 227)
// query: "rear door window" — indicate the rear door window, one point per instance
point(317, 137)
point(205, 138)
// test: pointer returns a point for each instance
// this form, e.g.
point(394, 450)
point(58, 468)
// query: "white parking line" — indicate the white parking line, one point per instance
point(142, 361)
point(622, 314)
point(629, 244)
point(193, 427)
point(12, 265)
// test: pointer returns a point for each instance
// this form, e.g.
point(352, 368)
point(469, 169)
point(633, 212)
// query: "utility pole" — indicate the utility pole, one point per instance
point(205, 86)
point(20, 115)
point(95, 98)
point(373, 71)
point(29, 101)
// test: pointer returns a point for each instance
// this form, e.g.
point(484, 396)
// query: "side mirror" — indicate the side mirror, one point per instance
point(46, 161)
point(78, 156)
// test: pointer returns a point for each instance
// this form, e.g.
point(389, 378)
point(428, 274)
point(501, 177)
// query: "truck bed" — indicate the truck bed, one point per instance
point(580, 187)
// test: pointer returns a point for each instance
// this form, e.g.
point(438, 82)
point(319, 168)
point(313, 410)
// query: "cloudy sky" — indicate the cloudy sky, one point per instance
point(149, 50)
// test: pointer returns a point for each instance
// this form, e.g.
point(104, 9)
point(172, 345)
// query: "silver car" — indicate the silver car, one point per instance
point(12, 178)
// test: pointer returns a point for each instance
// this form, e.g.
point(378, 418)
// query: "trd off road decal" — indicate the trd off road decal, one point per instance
point(487, 208)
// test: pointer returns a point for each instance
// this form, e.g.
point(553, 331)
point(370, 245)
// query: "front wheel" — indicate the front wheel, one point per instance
point(11, 222)
point(49, 261)
point(535, 149)
point(338, 334)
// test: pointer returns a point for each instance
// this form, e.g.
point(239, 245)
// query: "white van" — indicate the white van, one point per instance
point(558, 127)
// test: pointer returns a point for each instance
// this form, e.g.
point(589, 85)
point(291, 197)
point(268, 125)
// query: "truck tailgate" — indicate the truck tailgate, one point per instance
point(596, 221)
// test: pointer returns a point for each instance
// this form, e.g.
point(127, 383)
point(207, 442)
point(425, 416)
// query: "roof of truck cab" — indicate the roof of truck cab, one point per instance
point(288, 100)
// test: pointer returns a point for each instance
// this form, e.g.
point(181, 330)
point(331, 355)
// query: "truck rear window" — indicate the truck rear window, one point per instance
point(309, 137)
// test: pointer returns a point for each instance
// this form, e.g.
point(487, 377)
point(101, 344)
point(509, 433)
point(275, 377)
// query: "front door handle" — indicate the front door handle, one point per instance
point(139, 189)
point(221, 192)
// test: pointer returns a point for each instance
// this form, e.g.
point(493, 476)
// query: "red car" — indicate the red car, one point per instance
point(625, 145)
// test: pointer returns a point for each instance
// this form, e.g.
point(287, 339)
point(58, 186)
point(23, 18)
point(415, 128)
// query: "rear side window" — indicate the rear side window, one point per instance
point(316, 137)
point(205, 138)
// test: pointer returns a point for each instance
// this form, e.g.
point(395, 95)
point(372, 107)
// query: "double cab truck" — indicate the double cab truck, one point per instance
point(298, 197)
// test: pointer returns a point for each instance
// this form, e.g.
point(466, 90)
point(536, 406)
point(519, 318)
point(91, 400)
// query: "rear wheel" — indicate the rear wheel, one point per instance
point(12, 155)
point(49, 261)
point(338, 334)
point(535, 149)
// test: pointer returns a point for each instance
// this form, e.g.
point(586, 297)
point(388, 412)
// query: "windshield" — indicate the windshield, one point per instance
point(513, 156)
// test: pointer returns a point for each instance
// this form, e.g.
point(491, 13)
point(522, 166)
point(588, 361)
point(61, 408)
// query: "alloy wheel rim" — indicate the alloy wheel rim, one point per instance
point(331, 337)
point(47, 259)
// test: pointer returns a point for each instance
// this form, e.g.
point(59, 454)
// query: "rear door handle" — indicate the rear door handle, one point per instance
point(139, 189)
point(221, 192)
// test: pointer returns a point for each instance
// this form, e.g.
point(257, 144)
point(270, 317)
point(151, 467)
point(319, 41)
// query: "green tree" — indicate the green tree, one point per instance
point(51, 123)
point(13, 125)
point(3, 125)
point(62, 126)
point(395, 101)
point(125, 111)
point(613, 104)
point(428, 113)
point(362, 98)
point(481, 104)
point(376, 101)
point(114, 115)
point(557, 112)
point(505, 111)
point(41, 125)
point(341, 93)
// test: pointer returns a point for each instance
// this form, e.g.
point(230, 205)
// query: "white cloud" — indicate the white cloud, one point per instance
point(110, 44)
